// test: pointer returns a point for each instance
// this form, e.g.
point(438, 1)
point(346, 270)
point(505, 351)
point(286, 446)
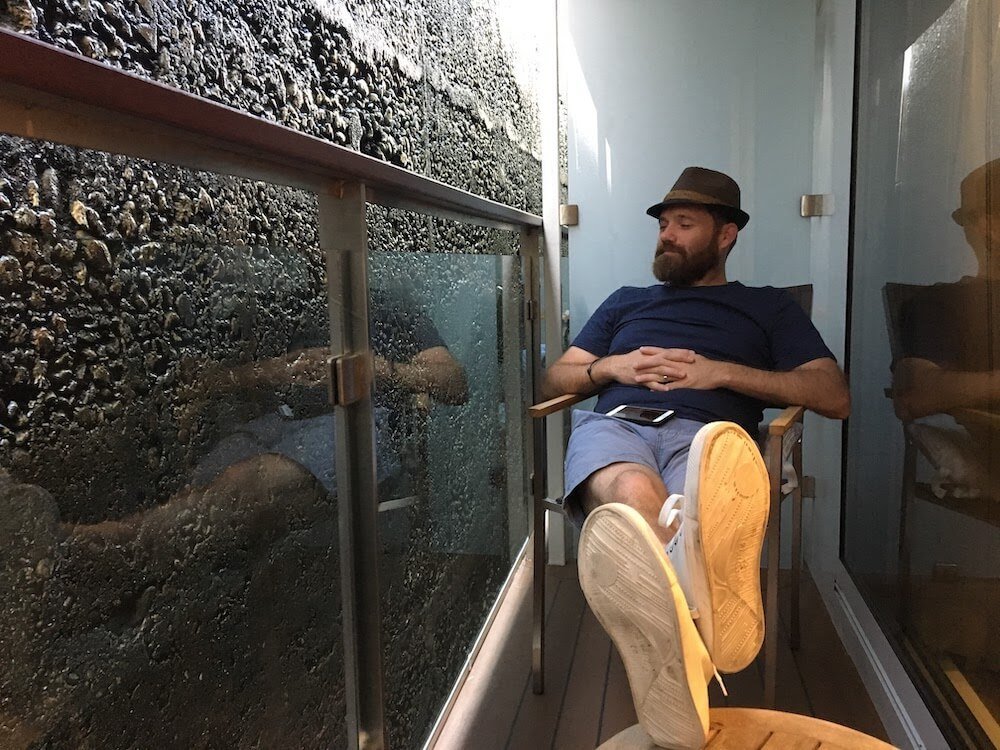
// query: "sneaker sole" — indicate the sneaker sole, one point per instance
point(633, 592)
point(727, 501)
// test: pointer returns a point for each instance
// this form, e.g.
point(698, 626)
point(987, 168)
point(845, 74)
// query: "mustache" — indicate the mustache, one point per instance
point(662, 247)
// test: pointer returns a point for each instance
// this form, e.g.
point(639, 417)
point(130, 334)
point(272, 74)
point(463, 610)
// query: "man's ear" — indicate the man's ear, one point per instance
point(727, 235)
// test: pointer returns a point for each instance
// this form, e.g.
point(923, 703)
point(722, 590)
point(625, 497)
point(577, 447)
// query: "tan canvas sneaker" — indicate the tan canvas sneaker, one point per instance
point(716, 550)
point(632, 590)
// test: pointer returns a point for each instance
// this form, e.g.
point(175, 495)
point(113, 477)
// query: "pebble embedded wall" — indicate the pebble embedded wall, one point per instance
point(423, 85)
point(121, 279)
point(124, 282)
point(437, 86)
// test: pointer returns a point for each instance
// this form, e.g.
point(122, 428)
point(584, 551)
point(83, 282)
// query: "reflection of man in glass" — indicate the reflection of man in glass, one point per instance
point(946, 330)
point(949, 360)
point(946, 365)
point(200, 583)
point(412, 366)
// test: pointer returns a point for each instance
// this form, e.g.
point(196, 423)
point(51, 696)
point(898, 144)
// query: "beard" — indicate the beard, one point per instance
point(683, 267)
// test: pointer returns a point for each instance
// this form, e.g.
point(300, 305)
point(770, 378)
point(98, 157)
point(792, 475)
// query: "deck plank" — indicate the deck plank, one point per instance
point(619, 712)
point(503, 678)
point(588, 700)
point(790, 693)
point(835, 689)
point(537, 717)
point(580, 720)
point(746, 688)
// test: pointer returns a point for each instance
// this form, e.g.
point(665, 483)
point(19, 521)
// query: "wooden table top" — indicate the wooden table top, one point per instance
point(760, 729)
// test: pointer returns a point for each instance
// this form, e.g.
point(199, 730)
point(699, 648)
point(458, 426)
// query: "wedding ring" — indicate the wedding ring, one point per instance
point(664, 379)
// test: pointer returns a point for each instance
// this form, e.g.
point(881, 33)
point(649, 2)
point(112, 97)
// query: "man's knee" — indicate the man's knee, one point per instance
point(634, 481)
point(623, 483)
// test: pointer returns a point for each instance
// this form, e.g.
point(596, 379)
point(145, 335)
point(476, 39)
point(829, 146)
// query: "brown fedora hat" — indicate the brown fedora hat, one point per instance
point(980, 193)
point(704, 187)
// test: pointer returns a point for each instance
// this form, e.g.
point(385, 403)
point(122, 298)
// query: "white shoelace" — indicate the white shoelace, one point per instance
point(670, 511)
point(670, 518)
point(718, 678)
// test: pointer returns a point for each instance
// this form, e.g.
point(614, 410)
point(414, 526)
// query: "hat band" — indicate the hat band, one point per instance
point(694, 197)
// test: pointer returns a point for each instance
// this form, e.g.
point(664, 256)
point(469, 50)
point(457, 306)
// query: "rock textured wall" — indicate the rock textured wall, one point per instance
point(124, 285)
point(443, 87)
point(120, 279)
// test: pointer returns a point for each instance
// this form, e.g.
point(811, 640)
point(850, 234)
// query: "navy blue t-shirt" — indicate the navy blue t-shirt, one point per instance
point(760, 327)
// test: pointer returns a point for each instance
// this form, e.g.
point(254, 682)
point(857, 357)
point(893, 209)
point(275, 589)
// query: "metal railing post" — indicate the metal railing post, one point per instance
point(344, 238)
point(539, 483)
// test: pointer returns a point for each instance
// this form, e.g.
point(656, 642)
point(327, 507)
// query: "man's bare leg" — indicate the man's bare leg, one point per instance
point(634, 485)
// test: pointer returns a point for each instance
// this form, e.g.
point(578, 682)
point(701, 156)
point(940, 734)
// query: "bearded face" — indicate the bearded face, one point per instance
point(684, 266)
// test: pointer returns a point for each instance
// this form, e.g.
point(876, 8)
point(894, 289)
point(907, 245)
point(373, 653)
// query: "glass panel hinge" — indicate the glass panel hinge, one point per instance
point(350, 378)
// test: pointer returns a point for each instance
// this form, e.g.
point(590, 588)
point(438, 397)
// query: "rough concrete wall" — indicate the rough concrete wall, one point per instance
point(138, 611)
point(424, 85)
point(435, 86)
point(124, 282)
point(120, 279)
point(211, 623)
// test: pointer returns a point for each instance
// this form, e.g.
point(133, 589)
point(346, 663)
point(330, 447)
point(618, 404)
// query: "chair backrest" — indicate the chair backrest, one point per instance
point(895, 297)
point(803, 294)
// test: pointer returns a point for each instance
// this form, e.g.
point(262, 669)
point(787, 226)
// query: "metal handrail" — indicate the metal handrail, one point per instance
point(41, 87)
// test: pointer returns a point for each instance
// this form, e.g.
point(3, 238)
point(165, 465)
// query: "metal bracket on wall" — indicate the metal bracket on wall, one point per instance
point(816, 205)
point(569, 214)
point(350, 378)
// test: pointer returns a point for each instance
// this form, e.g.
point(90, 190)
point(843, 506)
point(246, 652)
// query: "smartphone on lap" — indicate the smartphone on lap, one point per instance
point(641, 414)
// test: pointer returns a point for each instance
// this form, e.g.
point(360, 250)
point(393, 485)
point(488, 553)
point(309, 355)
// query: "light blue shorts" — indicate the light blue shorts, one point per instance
point(598, 440)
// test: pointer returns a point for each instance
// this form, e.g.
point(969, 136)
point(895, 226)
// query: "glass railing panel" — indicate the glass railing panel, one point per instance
point(168, 544)
point(447, 336)
point(922, 507)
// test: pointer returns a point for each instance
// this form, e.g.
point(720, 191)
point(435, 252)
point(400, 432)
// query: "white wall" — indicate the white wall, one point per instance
point(654, 86)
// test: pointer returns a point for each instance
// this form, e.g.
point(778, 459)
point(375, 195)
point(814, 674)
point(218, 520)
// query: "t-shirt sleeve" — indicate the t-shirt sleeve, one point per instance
point(425, 335)
point(794, 338)
point(596, 335)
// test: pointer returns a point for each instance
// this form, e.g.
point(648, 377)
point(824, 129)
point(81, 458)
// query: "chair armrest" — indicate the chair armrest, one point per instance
point(781, 423)
point(556, 404)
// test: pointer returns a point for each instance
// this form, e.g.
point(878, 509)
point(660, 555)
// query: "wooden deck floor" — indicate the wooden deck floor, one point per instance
point(587, 698)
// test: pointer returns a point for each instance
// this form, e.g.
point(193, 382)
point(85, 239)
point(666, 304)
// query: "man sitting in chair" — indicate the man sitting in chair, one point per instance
point(674, 578)
point(948, 358)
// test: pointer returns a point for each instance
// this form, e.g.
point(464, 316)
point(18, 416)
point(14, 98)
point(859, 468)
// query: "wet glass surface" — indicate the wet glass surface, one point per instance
point(168, 559)
point(445, 316)
point(922, 513)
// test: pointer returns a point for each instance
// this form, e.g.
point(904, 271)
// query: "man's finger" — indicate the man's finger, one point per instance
point(679, 355)
point(652, 354)
point(660, 376)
